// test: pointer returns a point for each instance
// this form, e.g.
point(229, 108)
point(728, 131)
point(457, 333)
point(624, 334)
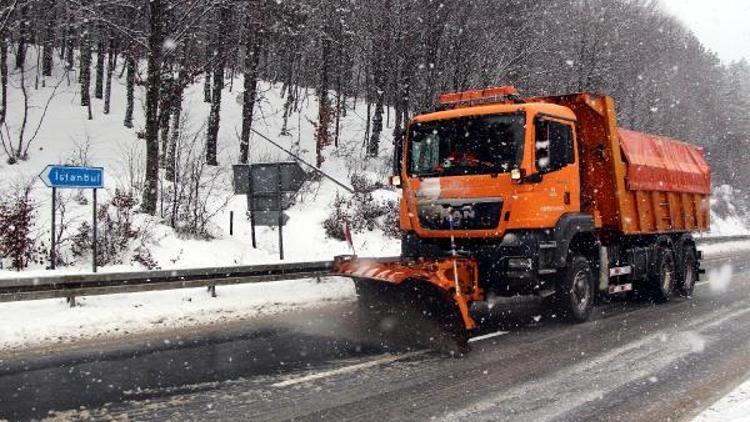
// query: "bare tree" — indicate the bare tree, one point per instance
point(219, 65)
point(254, 33)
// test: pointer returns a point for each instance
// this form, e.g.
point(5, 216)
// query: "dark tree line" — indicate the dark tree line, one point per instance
point(397, 55)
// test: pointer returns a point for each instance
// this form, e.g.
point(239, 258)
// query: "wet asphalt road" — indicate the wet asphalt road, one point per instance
point(633, 361)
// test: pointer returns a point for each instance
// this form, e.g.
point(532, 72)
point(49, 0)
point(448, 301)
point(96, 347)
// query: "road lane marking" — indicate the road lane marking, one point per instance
point(701, 283)
point(486, 336)
point(726, 318)
point(382, 359)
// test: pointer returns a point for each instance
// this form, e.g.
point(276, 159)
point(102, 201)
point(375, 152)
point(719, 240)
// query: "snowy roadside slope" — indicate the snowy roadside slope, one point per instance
point(734, 407)
point(67, 131)
point(51, 322)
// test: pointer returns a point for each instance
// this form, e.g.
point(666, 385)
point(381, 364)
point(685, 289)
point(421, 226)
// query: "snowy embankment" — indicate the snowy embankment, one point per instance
point(734, 407)
point(51, 322)
point(66, 136)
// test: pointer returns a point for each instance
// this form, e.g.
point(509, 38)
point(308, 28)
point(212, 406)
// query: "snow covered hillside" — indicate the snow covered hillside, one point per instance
point(66, 136)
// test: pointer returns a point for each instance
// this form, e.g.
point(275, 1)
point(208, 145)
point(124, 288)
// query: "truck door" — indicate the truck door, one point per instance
point(554, 189)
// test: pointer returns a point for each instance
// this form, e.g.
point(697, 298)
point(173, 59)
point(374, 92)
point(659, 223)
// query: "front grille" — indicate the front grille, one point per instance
point(479, 214)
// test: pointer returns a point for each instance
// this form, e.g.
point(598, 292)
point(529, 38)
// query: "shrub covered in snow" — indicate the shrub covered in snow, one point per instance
point(116, 232)
point(362, 210)
point(729, 211)
point(16, 224)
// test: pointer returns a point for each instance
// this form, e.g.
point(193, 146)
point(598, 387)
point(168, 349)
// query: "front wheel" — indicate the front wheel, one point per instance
point(575, 293)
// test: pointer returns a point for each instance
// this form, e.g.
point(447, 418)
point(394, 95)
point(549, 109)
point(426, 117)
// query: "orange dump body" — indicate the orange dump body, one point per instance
point(636, 183)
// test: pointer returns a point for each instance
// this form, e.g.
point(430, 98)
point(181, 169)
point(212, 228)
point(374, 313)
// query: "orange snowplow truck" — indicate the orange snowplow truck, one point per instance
point(545, 195)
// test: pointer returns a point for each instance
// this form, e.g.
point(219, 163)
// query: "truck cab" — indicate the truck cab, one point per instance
point(496, 178)
point(480, 172)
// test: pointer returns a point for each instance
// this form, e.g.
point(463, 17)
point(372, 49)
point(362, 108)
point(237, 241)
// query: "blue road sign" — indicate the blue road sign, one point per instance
point(55, 176)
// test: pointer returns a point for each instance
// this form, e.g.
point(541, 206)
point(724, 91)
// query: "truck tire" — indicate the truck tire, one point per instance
point(575, 292)
point(689, 272)
point(663, 276)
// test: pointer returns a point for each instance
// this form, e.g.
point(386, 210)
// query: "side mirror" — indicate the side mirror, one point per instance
point(519, 176)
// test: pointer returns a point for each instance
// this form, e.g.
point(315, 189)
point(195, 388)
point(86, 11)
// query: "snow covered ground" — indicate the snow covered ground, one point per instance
point(52, 321)
point(734, 407)
point(67, 136)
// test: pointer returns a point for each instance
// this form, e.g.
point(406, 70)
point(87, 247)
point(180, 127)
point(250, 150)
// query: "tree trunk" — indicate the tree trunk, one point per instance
point(208, 57)
point(171, 164)
point(3, 78)
point(85, 68)
point(130, 94)
point(23, 34)
point(322, 134)
point(214, 117)
point(70, 45)
point(218, 76)
point(49, 38)
point(153, 88)
point(165, 113)
point(253, 46)
point(377, 127)
point(99, 88)
point(207, 87)
point(111, 65)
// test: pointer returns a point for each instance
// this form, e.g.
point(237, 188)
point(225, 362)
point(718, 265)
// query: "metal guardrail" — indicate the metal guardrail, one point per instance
point(30, 288)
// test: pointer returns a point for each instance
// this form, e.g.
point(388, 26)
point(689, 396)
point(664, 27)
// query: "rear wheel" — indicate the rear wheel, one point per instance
point(575, 293)
point(689, 271)
point(663, 277)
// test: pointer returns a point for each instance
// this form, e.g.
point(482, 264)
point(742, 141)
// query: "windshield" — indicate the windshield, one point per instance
point(467, 145)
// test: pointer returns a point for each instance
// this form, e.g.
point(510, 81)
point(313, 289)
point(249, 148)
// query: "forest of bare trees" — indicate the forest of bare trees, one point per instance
point(398, 55)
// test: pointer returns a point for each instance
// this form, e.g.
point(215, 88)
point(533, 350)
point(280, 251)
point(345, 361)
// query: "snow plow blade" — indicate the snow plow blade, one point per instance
point(453, 279)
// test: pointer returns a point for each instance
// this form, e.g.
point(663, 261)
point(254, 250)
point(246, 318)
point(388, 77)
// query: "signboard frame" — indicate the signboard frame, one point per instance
point(274, 188)
point(76, 177)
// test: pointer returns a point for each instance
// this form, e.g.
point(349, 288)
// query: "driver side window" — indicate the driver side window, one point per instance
point(554, 145)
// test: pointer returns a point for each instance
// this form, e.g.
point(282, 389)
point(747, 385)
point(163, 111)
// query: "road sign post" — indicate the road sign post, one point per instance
point(93, 243)
point(52, 257)
point(270, 189)
point(281, 213)
point(72, 177)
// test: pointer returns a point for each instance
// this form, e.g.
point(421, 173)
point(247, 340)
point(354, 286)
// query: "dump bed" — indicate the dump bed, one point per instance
point(636, 183)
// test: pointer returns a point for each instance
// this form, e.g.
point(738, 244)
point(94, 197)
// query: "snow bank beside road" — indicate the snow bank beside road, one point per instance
point(724, 247)
point(734, 407)
point(50, 321)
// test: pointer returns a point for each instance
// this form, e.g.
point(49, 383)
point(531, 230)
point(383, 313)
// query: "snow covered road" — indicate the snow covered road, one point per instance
point(634, 361)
